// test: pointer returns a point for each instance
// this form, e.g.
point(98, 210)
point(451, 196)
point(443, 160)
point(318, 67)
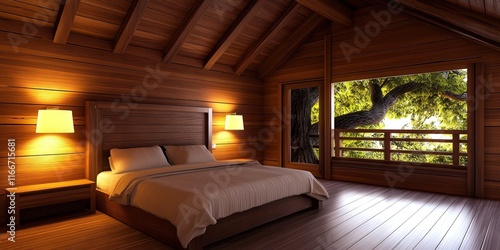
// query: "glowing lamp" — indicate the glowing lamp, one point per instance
point(55, 121)
point(234, 122)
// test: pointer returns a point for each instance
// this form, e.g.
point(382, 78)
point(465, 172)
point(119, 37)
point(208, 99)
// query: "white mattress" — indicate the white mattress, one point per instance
point(106, 181)
point(194, 196)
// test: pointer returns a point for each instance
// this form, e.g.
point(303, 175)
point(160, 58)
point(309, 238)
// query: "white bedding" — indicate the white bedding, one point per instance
point(199, 194)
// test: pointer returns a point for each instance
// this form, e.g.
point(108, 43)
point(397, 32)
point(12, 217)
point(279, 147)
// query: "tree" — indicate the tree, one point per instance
point(302, 102)
point(433, 101)
point(380, 105)
point(430, 101)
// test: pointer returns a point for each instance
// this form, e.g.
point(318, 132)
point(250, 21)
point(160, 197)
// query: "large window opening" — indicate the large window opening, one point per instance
point(413, 118)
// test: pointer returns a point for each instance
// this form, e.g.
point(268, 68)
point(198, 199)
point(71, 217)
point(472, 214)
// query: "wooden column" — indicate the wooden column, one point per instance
point(327, 109)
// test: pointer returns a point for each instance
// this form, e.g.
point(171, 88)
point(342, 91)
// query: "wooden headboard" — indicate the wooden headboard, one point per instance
point(125, 125)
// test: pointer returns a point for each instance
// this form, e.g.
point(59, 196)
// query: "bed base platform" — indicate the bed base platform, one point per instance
point(164, 231)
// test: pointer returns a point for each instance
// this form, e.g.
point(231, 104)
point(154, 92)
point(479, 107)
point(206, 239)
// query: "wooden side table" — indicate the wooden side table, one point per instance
point(32, 196)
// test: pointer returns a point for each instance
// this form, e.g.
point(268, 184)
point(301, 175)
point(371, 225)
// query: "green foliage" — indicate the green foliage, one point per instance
point(425, 108)
point(315, 113)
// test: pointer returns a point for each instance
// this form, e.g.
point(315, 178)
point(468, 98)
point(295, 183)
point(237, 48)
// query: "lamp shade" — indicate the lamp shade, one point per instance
point(234, 122)
point(55, 121)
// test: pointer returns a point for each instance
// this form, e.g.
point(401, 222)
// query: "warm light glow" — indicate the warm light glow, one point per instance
point(234, 122)
point(224, 137)
point(222, 107)
point(48, 144)
point(55, 121)
point(47, 95)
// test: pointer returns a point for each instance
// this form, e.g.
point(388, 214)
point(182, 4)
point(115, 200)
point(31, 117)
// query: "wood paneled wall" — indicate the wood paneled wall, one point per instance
point(305, 65)
point(491, 97)
point(42, 74)
point(400, 45)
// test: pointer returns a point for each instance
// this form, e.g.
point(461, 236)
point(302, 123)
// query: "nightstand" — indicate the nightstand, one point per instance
point(37, 196)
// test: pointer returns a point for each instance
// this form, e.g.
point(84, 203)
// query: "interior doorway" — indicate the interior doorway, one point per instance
point(302, 144)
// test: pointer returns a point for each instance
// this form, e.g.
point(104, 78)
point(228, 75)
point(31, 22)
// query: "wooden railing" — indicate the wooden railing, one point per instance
point(387, 138)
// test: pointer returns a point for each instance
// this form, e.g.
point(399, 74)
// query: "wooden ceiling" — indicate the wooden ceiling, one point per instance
point(250, 37)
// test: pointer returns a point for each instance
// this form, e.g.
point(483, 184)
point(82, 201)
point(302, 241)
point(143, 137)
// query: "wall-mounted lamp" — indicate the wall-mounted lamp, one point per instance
point(234, 122)
point(53, 120)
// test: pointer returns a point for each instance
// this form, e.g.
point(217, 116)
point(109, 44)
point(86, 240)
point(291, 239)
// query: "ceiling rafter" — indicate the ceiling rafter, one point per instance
point(333, 10)
point(474, 26)
point(67, 13)
point(287, 48)
point(197, 11)
point(492, 8)
point(129, 25)
point(250, 11)
point(251, 54)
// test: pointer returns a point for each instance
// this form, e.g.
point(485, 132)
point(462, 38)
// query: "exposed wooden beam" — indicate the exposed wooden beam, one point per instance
point(197, 11)
point(469, 24)
point(67, 13)
point(233, 31)
point(492, 8)
point(130, 24)
point(331, 9)
point(251, 54)
point(287, 48)
point(326, 107)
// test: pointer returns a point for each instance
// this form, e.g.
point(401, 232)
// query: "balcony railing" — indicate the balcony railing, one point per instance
point(444, 147)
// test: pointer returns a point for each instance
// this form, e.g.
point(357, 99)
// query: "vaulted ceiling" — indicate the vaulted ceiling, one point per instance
point(251, 37)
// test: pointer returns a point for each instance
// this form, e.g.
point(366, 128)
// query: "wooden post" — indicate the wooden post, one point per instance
point(337, 142)
point(387, 146)
point(456, 149)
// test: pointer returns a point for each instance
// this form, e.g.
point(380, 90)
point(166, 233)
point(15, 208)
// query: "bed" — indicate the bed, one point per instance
point(113, 127)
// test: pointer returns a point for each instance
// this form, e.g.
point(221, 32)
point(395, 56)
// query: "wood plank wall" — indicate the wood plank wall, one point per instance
point(42, 74)
point(401, 46)
point(491, 98)
point(305, 65)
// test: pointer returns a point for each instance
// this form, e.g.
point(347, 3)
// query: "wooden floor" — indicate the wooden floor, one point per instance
point(96, 231)
point(355, 217)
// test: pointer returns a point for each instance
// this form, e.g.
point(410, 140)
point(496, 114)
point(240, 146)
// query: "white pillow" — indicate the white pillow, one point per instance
point(131, 159)
point(189, 154)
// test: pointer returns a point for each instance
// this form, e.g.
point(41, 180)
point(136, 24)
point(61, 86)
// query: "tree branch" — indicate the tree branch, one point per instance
point(378, 110)
point(375, 92)
point(385, 81)
point(455, 96)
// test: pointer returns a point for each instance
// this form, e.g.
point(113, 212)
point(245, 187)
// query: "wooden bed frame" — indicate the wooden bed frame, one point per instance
point(119, 125)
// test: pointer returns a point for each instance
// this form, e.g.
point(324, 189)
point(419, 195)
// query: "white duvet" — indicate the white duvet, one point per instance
point(194, 196)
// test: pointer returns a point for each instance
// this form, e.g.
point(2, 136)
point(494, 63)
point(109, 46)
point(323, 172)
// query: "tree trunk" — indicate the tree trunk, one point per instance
point(302, 101)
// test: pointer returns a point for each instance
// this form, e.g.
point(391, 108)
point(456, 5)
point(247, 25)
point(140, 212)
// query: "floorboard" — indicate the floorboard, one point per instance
point(384, 229)
point(478, 229)
point(492, 240)
point(356, 216)
point(97, 231)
